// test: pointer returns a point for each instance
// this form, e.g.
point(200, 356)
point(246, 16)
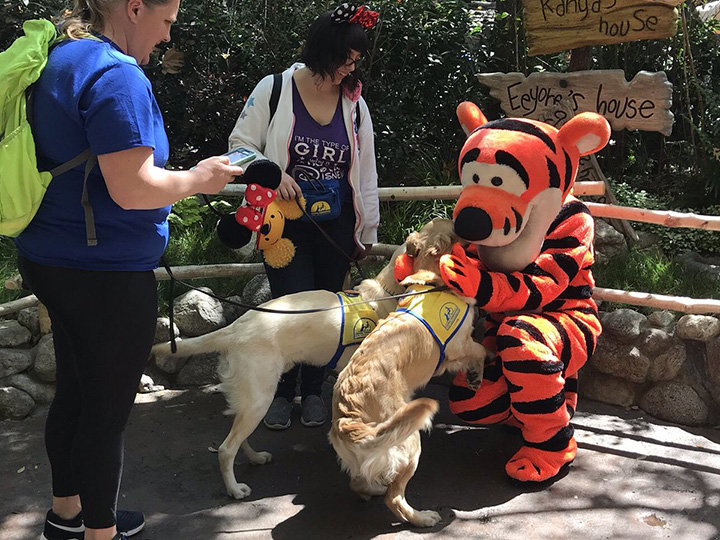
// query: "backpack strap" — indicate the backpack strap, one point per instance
point(90, 161)
point(275, 95)
point(90, 234)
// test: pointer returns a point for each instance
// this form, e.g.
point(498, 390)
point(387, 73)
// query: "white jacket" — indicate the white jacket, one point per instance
point(272, 142)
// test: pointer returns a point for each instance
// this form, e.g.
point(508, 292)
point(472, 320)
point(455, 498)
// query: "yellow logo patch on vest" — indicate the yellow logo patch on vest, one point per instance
point(359, 319)
point(442, 312)
point(320, 208)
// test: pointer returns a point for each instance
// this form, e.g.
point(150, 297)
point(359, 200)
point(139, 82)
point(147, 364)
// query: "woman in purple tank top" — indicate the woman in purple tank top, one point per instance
point(321, 136)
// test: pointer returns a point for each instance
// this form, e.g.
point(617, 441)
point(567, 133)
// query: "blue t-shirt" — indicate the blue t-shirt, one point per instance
point(91, 93)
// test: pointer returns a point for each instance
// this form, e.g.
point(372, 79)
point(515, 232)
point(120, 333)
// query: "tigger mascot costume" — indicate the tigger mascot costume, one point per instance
point(528, 266)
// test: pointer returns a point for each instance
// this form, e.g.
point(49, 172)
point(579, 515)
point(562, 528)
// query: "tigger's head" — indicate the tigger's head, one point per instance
point(516, 171)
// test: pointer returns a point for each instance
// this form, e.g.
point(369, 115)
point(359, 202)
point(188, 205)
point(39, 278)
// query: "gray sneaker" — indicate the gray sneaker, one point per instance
point(278, 415)
point(314, 411)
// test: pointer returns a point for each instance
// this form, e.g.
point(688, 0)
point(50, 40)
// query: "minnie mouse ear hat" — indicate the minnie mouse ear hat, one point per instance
point(348, 12)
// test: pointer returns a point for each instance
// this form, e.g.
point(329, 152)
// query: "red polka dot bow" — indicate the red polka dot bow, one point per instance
point(352, 13)
point(250, 213)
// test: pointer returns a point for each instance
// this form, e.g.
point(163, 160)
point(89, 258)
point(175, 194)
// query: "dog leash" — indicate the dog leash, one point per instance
point(437, 288)
point(332, 242)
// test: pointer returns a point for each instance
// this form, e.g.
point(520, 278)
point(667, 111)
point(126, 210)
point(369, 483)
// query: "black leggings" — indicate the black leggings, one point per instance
point(316, 265)
point(103, 326)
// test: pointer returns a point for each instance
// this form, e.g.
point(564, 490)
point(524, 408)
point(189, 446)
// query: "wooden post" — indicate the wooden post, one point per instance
point(580, 60)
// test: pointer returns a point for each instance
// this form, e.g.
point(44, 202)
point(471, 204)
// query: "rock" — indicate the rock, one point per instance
point(708, 267)
point(666, 366)
point(661, 319)
point(162, 330)
point(713, 360)
point(29, 318)
point(257, 290)
point(200, 369)
point(607, 388)
point(15, 403)
point(147, 385)
point(232, 311)
point(653, 341)
point(13, 334)
point(45, 366)
point(608, 241)
point(39, 391)
point(621, 360)
point(648, 241)
point(171, 363)
point(675, 402)
point(14, 361)
point(624, 324)
point(196, 313)
point(697, 327)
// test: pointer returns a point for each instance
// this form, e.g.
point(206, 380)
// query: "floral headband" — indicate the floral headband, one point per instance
point(354, 13)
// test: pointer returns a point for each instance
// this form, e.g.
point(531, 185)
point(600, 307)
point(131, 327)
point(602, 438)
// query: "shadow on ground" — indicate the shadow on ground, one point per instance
point(634, 478)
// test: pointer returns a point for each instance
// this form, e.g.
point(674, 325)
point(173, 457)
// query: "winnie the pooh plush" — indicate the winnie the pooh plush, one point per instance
point(261, 212)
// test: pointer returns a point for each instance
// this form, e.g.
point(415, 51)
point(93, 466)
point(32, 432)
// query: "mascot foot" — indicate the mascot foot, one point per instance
point(534, 465)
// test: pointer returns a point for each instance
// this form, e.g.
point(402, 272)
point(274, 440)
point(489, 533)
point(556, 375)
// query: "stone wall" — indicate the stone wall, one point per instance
point(668, 367)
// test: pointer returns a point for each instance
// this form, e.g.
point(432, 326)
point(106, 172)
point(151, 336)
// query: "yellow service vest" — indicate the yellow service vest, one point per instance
point(441, 312)
point(358, 320)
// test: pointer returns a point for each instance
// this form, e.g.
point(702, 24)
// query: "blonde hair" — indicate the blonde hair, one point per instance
point(87, 16)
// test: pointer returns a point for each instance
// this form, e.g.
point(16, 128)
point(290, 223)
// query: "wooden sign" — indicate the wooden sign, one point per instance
point(643, 103)
point(560, 25)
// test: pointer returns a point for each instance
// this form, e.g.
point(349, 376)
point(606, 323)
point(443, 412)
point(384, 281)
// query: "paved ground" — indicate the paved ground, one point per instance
point(634, 478)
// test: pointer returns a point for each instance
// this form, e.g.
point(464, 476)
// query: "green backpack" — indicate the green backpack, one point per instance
point(22, 185)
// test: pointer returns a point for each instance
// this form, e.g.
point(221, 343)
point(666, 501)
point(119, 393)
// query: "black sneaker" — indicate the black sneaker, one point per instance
point(129, 522)
point(314, 411)
point(57, 528)
point(278, 415)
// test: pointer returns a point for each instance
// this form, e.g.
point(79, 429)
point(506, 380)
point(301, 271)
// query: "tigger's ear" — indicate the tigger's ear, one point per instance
point(587, 132)
point(470, 117)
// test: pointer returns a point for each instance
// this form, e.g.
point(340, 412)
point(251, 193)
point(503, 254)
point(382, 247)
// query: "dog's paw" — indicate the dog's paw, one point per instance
point(261, 458)
point(474, 379)
point(426, 518)
point(239, 491)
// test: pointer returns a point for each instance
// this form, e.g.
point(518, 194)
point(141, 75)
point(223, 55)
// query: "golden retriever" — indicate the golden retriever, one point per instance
point(259, 347)
point(375, 426)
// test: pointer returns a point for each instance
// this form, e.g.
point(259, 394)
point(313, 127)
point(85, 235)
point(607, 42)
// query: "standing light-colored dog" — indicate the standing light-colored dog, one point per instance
point(259, 347)
point(375, 425)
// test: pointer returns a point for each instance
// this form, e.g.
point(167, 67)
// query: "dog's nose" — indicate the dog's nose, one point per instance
point(473, 224)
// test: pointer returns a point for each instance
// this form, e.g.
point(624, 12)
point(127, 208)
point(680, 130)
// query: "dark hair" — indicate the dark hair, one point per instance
point(328, 45)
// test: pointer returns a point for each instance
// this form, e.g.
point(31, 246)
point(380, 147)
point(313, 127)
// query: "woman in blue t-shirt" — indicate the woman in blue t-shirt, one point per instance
point(102, 299)
point(321, 135)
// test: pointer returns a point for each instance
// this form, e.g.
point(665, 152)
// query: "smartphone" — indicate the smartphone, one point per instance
point(240, 155)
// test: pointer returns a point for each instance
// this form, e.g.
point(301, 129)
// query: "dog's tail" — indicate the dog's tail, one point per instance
point(413, 417)
point(212, 342)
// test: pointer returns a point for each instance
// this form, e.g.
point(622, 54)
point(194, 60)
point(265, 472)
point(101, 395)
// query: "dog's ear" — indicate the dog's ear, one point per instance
point(413, 244)
point(442, 244)
point(423, 277)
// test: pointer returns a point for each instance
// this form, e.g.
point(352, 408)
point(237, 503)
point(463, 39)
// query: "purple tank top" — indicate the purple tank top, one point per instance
point(319, 154)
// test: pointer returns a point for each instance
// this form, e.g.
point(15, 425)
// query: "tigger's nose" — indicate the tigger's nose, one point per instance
point(473, 224)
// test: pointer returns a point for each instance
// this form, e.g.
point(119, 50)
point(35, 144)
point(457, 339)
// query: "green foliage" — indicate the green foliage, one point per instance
point(652, 273)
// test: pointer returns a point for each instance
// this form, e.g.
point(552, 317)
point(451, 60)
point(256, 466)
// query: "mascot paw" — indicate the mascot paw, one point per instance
point(534, 465)
point(460, 272)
